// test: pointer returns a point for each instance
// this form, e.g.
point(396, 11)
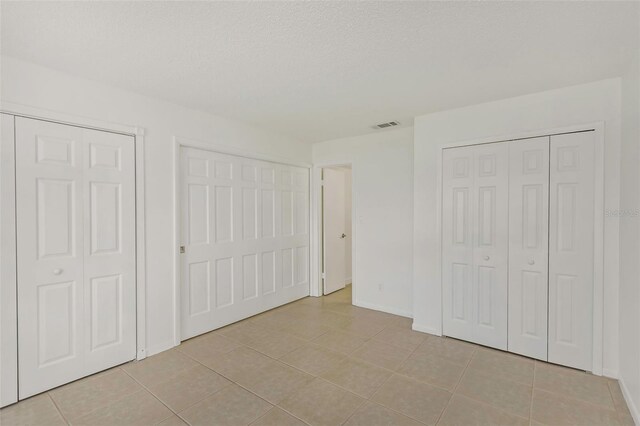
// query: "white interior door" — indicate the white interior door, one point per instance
point(76, 252)
point(475, 243)
point(528, 246)
point(571, 244)
point(245, 234)
point(334, 230)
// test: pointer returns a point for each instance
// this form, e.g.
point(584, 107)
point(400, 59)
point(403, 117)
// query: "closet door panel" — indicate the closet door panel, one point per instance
point(571, 244)
point(457, 243)
point(490, 244)
point(528, 246)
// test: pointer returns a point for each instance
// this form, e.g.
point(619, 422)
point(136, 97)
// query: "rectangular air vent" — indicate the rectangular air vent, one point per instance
point(386, 125)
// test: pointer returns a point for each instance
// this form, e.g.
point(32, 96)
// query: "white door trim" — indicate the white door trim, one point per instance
point(180, 142)
point(598, 284)
point(9, 319)
point(316, 228)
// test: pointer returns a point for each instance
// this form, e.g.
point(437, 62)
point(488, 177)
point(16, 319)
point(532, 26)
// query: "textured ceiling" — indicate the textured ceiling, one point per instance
point(321, 70)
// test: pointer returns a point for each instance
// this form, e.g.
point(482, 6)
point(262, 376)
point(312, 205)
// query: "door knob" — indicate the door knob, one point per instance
point(57, 271)
point(486, 258)
point(343, 236)
point(531, 262)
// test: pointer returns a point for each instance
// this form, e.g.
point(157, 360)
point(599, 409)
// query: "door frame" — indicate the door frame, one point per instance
point(9, 320)
point(178, 144)
point(598, 267)
point(317, 286)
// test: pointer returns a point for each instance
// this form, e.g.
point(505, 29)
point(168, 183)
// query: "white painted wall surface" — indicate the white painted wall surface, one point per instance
point(583, 104)
point(44, 88)
point(382, 186)
point(630, 241)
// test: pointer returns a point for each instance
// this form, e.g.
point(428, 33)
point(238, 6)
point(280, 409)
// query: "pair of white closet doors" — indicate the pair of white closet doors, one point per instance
point(518, 240)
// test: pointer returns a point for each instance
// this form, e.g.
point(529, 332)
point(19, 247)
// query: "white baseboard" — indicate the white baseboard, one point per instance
point(426, 329)
point(612, 374)
point(160, 348)
point(386, 309)
point(635, 413)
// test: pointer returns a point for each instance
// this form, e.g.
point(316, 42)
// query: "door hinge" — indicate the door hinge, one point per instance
point(324, 275)
point(181, 249)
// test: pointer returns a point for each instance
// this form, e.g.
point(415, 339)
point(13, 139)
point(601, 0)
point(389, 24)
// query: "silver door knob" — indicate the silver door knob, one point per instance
point(531, 262)
point(343, 236)
point(57, 271)
point(486, 258)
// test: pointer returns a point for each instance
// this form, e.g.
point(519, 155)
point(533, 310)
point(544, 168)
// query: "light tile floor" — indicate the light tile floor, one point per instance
point(322, 361)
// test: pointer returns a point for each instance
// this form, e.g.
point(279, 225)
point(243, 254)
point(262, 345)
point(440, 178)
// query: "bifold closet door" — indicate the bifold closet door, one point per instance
point(475, 245)
point(571, 245)
point(75, 204)
point(245, 233)
point(528, 246)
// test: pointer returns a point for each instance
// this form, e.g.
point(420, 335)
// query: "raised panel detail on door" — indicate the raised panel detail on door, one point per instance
point(56, 323)
point(474, 268)
point(528, 246)
point(106, 311)
point(571, 249)
point(75, 203)
point(258, 250)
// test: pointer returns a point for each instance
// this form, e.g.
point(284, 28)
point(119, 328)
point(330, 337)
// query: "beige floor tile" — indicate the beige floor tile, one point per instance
point(86, 395)
point(36, 411)
point(244, 332)
point(266, 377)
point(234, 406)
point(509, 396)
point(503, 364)
point(313, 359)
point(278, 417)
point(276, 343)
point(364, 326)
point(332, 319)
point(371, 414)
point(340, 341)
point(463, 411)
point(382, 354)
point(574, 384)
point(173, 421)
point(451, 349)
point(193, 385)
point(322, 403)
point(556, 409)
point(141, 408)
point(420, 401)
point(204, 347)
point(357, 376)
point(304, 329)
point(621, 405)
point(433, 369)
point(159, 368)
point(401, 336)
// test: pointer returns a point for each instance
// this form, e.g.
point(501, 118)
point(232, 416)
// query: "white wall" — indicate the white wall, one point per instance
point(599, 101)
point(47, 89)
point(382, 182)
point(630, 241)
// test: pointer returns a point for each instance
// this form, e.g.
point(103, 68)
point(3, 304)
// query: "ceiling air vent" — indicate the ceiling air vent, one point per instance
point(386, 125)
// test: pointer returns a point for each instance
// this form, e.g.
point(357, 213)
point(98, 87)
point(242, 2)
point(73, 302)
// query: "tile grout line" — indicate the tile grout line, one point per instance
point(58, 409)
point(145, 388)
point(455, 388)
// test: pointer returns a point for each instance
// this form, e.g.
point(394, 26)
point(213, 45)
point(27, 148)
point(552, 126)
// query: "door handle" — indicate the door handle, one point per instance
point(487, 258)
point(57, 271)
point(343, 236)
point(532, 262)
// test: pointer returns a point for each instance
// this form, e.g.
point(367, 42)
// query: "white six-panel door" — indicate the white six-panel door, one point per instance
point(475, 245)
point(75, 252)
point(245, 233)
point(333, 229)
point(571, 244)
point(528, 246)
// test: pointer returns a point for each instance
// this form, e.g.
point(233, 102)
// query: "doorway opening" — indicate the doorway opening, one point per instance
point(336, 229)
